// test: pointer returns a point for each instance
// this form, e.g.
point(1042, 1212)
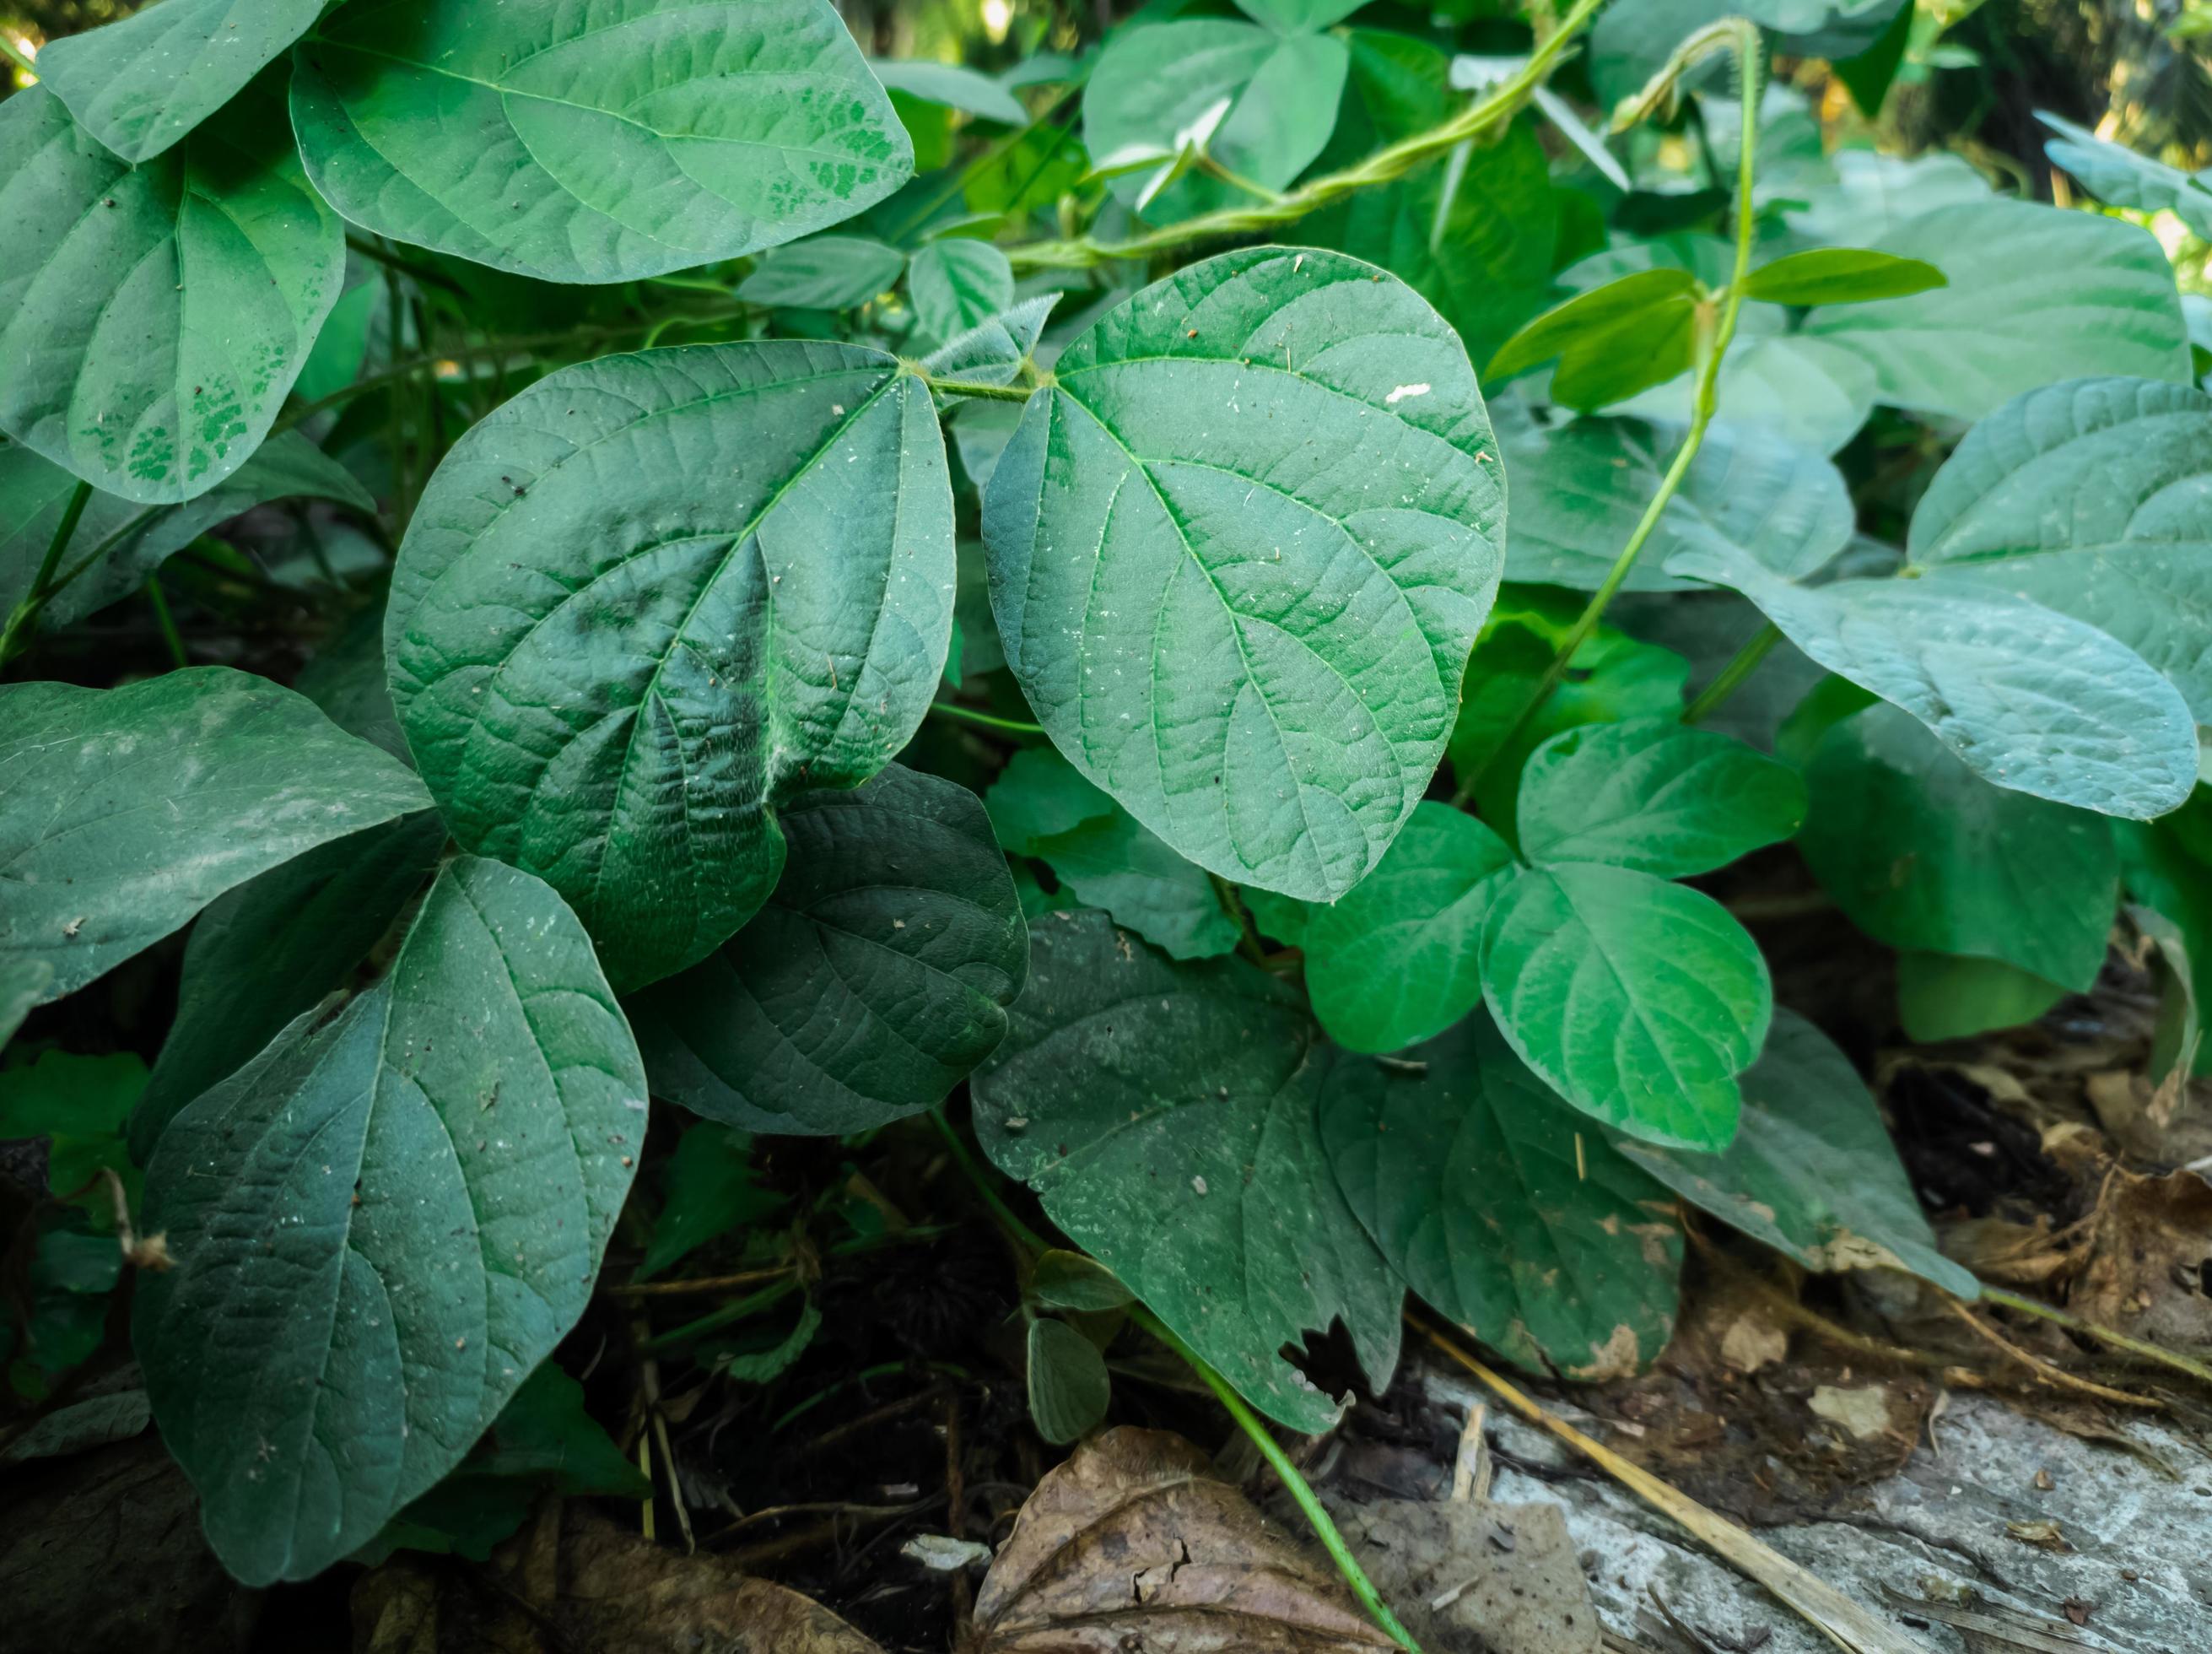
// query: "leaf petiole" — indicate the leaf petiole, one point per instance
point(1741, 666)
point(984, 720)
point(26, 611)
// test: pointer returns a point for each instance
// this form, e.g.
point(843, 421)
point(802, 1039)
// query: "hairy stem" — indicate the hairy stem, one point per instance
point(1730, 677)
point(1383, 167)
point(1324, 1527)
point(986, 392)
point(25, 612)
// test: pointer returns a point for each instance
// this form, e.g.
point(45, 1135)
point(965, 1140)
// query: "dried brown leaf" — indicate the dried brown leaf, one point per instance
point(2146, 1274)
point(1504, 1578)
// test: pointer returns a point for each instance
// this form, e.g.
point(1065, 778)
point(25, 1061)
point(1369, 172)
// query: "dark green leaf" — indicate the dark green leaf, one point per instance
point(142, 82)
point(602, 144)
point(1398, 957)
point(152, 317)
point(1241, 596)
point(1840, 276)
point(384, 1222)
point(1165, 1115)
point(1068, 1385)
point(709, 1190)
point(1504, 1209)
point(958, 285)
point(1943, 996)
point(1637, 1001)
point(1812, 1173)
point(1924, 855)
point(614, 676)
point(823, 272)
point(125, 811)
point(1069, 1280)
point(80, 1103)
point(876, 977)
point(1610, 342)
point(992, 352)
point(346, 679)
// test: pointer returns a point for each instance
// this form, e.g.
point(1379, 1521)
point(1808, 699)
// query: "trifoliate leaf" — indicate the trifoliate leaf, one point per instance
point(614, 676)
point(876, 977)
point(599, 143)
point(1504, 1209)
point(384, 1222)
point(1240, 552)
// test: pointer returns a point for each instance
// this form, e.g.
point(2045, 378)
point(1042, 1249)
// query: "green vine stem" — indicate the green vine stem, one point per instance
point(26, 611)
point(2105, 1336)
point(1384, 167)
point(969, 387)
point(1324, 1527)
point(1744, 662)
point(1740, 36)
point(984, 720)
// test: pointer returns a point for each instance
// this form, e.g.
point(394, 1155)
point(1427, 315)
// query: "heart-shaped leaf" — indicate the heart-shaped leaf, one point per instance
point(594, 143)
point(152, 317)
point(2093, 498)
point(613, 675)
point(1505, 1210)
point(1165, 1115)
point(876, 977)
point(145, 81)
point(125, 811)
point(384, 1222)
point(1240, 552)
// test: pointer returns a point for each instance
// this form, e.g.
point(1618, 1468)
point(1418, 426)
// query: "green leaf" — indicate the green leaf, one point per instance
point(2093, 498)
point(142, 82)
point(2036, 294)
point(1655, 796)
point(1943, 996)
point(1633, 41)
point(614, 677)
point(1840, 276)
point(1874, 194)
point(2125, 179)
point(23, 985)
point(155, 316)
point(1069, 1388)
point(1580, 488)
point(957, 284)
point(1637, 1001)
point(345, 678)
point(1924, 855)
point(121, 542)
point(341, 350)
point(992, 351)
point(1242, 594)
point(876, 977)
point(1397, 958)
point(270, 949)
point(1504, 1210)
point(954, 86)
point(1157, 82)
point(384, 1222)
point(1165, 1115)
point(1297, 16)
point(1802, 391)
point(709, 1190)
point(1612, 341)
point(81, 1104)
point(125, 811)
point(1069, 1280)
point(823, 272)
point(2029, 698)
point(1812, 1173)
point(599, 143)
point(1473, 232)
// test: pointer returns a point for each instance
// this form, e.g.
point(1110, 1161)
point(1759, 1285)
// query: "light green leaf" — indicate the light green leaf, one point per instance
point(1504, 1209)
point(710, 1187)
point(1473, 233)
point(992, 351)
point(957, 284)
point(1166, 1117)
point(1040, 795)
point(1632, 40)
point(384, 1222)
point(613, 676)
point(876, 977)
point(598, 144)
point(1282, 917)
point(1580, 488)
point(23, 987)
point(152, 317)
point(341, 350)
point(1943, 996)
point(1399, 958)
point(270, 949)
point(1924, 855)
point(125, 811)
point(1069, 1280)
point(1637, 1001)
point(954, 86)
point(1874, 194)
point(121, 542)
point(1803, 391)
point(1297, 16)
point(1840, 276)
point(1069, 1388)
point(2125, 179)
point(1242, 594)
point(2093, 498)
point(1812, 1173)
point(823, 272)
point(2029, 698)
point(2036, 294)
point(142, 82)
point(1656, 796)
point(1158, 82)
point(1611, 341)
